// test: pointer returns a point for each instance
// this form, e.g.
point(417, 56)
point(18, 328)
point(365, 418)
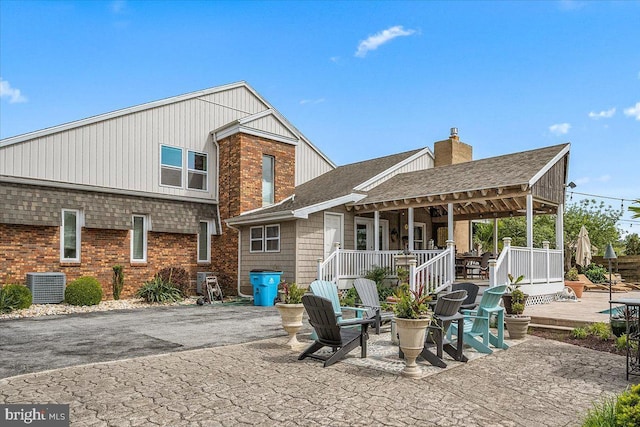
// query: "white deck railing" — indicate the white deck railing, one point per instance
point(351, 264)
point(538, 266)
point(436, 274)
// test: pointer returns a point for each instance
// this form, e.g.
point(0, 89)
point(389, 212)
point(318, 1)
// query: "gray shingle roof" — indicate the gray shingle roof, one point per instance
point(502, 171)
point(333, 184)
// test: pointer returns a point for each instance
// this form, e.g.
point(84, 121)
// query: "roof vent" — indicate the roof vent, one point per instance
point(454, 132)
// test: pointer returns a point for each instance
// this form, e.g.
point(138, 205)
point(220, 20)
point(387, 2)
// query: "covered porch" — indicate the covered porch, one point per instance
point(521, 184)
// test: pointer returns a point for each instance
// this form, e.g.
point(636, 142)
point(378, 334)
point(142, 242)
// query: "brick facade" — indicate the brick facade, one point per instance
point(241, 191)
point(28, 248)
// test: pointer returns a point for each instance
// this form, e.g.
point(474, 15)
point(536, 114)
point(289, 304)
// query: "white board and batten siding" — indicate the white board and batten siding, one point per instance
point(121, 150)
point(309, 164)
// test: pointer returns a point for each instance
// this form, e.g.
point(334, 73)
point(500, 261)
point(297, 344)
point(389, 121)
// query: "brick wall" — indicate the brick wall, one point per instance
point(26, 249)
point(241, 191)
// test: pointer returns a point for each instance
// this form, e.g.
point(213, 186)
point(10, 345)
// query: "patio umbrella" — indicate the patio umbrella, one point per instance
point(583, 248)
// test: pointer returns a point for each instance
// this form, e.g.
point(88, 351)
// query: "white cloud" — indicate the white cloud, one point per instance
point(585, 179)
point(582, 181)
point(334, 59)
point(376, 40)
point(602, 114)
point(12, 93)
point(311, 101)
point(571, 4)
point(560, 128)
point(118, 6)
point(633, 111)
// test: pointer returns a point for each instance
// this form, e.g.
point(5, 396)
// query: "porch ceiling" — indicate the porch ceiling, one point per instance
point(472, 204)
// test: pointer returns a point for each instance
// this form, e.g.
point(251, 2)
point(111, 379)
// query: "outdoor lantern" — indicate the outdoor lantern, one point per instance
point(609, 254)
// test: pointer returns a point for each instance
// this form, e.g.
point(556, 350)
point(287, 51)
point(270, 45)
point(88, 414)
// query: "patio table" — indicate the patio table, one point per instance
point(632, 318)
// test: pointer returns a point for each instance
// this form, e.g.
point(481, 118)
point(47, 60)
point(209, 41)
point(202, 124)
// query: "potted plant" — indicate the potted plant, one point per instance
point(517, 323)
point(572, 281)
point(507, 297)
point(412, 319)
point(291, 311)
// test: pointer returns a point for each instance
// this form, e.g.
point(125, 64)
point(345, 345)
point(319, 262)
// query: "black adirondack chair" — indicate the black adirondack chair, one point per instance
point(472, 293)
point(340, 337)
point(368, 293)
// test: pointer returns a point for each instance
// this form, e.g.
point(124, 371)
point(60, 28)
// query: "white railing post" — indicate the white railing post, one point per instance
point(545, 246)
point(320, 272)
point(412, 274)
point(506, 246)
point(493, 278)
point(451, 273)
point(336, 249)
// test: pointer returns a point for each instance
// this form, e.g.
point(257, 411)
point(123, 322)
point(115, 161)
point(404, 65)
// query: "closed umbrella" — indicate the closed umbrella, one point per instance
point(583, 248)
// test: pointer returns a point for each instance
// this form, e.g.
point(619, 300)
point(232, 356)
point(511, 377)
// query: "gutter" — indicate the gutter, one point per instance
point(239, 259)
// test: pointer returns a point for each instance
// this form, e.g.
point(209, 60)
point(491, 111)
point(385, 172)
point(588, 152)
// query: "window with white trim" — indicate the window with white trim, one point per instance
point(268, 180)
point(140, 226)
point(264, 238)
point(70, 235)
point(197, 171)
point(170, 166)
point(204, 241)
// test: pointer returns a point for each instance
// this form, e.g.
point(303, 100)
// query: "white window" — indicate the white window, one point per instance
point(70, 236)
point(139, 238)
point(170, 166)
point(268, 180)
point(264, 239)
point(204, 241)
point(197, 171)
point(272, 238)
point(419, 230)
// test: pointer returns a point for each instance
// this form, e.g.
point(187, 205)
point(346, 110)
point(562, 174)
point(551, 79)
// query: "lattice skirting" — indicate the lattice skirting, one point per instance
point(542, 299)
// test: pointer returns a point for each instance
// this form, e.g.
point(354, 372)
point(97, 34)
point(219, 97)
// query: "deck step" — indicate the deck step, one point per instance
point(554, 327)
point(561, 323)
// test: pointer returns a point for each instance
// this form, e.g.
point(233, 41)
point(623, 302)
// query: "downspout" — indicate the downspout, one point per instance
point(239, 259)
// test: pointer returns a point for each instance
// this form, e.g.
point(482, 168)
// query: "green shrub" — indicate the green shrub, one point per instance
point(118, 281)
point(21, 294)
point(377, 274)
point(384, 292)
point(7, 301)
point(601, 330)
point(178, 277)
point(621, 343)
point(157, 290)
point(83, 291)
point(572, 275)
point(579, 333)
point(602, 415)
point(628, 408)
point(596, 273)
point(350, 298)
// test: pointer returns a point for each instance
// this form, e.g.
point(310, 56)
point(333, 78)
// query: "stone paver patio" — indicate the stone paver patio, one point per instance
point(535, 383)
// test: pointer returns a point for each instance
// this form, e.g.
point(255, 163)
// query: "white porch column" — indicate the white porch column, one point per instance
point(451, 247)
point(545, 246)
point(376, 231)
point(495, 237)
point(506, 243)
point(560, 227)
point(529, 220)
point(410, 223)
point(319, 274)
point(450, 221)
point(493, 280)
point(530, 234)
point(337, 263)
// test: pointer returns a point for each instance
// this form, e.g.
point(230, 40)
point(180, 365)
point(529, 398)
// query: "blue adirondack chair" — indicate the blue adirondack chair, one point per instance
point(476, 323)
point(329, 290)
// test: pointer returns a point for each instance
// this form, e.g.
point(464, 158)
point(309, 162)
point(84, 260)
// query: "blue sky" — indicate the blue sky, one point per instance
point(359, 79)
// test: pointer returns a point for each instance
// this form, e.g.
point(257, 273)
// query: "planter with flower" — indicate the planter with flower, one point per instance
point(291, 311)
point(571, 280)
point(517, 323)
point(412, 319)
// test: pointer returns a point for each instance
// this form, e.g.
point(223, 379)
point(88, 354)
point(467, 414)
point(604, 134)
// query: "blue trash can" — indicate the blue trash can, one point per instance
point(265, 286)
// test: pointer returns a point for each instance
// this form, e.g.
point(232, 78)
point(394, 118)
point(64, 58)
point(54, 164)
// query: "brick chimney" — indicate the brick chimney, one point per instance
point(452, 150)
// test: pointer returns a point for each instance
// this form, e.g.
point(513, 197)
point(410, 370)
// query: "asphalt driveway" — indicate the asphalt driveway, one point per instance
point(49, 342)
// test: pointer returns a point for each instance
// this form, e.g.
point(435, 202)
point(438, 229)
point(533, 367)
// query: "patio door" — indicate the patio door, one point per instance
point(364, 235)
point(333, 231)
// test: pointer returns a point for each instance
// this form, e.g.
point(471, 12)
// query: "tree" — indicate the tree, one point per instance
point(632, 243)
point(635, 209)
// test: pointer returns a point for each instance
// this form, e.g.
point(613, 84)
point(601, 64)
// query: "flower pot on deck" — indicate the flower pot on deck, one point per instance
point(411, 333)
point(506, 301)
point(577, 287)
point(517, 326)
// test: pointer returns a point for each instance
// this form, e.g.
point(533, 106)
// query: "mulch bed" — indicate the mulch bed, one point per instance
point(590, 341)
